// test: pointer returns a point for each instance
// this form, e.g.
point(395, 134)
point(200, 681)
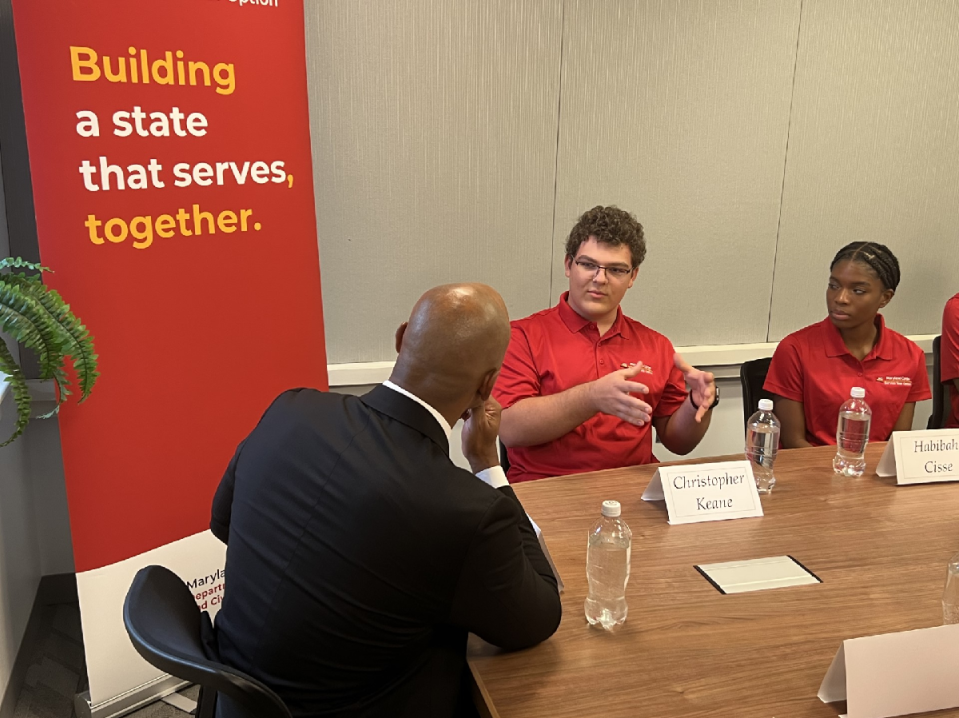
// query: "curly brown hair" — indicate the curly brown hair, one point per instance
point(611, 226)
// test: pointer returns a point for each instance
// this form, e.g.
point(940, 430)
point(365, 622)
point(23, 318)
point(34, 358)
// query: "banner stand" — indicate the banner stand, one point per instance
point(128, 702)
point(173, 192)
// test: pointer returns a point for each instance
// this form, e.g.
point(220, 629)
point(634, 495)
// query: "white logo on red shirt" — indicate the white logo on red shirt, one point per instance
point(895, 380)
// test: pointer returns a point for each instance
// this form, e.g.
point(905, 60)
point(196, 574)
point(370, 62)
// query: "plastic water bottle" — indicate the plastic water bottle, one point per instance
point(950, 594)
point(607, 568)
point(852, 434)
point(762, 444)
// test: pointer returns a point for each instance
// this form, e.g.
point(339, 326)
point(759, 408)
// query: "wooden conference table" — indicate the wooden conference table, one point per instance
point(686, 649)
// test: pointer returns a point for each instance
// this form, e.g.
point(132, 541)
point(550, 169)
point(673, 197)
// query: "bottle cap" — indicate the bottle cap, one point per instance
point(765, 404)
point(858, 393)
point(611, 509)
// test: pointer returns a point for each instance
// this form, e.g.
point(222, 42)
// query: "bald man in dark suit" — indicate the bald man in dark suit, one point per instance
point(358, 555)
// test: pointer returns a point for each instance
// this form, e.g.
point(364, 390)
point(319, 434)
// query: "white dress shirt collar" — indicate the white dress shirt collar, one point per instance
point(494, 475)
point(436, 415)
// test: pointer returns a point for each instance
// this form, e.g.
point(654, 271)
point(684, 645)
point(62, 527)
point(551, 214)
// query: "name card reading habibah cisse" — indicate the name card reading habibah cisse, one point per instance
point(706, 492)
point(921, 457)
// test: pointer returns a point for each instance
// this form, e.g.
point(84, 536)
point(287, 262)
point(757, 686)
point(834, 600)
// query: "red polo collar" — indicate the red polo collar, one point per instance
point(835, 347)
point(576, 323)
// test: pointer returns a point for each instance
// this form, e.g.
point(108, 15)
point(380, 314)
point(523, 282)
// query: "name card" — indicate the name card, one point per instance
point(895, 674)
point(921, 457)
point(706, 492)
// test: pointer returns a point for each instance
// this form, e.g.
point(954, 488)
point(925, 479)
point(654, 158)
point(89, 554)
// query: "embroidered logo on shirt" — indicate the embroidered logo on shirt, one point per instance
point(895, 380)
point(642, 370)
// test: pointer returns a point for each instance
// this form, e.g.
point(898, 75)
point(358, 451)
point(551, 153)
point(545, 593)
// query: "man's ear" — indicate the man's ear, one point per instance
point(486, 386)
point(400, 331)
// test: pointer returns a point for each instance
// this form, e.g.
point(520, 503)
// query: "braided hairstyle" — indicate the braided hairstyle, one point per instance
point(878, 257)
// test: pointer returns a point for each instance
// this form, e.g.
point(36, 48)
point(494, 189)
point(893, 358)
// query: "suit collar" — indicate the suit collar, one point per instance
point(447, 429)
point(406, 411)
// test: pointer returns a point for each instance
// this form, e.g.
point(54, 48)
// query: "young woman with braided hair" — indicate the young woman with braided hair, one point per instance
point(813, 369)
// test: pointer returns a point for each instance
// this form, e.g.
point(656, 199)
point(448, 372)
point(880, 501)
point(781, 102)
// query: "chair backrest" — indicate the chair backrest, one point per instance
point(940, 391)
point(752, 375)
point(170, 632)
point(503, 457)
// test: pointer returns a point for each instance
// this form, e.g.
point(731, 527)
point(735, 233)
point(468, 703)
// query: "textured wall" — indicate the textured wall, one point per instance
point(873, 154)
point(678, 112)
point(434, 144)
point(459, 141)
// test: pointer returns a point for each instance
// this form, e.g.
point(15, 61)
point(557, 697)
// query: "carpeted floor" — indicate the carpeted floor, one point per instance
point(57, 671)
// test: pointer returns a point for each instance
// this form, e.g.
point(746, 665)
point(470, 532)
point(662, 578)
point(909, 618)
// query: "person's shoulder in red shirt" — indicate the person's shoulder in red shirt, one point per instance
point(787, 370)
point(949, 358)
point(814, 369)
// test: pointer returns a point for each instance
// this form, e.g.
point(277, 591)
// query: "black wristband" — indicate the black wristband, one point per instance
point(715, 401)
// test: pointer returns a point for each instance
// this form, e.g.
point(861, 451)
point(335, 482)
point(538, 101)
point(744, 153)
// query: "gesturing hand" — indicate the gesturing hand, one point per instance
point(613, 394)
point(480, 431)
point(702, 385)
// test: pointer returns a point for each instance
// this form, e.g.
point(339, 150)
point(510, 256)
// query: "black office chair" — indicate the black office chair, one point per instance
point(503, 457)
point(940, 391)
point(752, 375)
point(170, 632)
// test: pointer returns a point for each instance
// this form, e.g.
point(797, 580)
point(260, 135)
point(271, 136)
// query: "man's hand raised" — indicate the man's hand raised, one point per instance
point(613, 394)
point(480, 431)
point(702, 385)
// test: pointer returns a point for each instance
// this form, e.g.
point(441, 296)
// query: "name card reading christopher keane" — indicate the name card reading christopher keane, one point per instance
point(706, 492)
point(921, 457)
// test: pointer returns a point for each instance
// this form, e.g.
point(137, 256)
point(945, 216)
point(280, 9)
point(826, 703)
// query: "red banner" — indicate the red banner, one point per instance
point(170, 154)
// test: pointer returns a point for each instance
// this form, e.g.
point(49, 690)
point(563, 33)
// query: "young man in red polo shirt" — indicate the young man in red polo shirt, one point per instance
point(949, 358)
point(582, 383)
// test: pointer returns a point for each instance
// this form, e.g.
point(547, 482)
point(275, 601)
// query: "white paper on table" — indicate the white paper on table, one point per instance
point(549, 559)
point(716, 491)
point(887, 463)
point(895, 674)
point(921, 457)
point(757, 574)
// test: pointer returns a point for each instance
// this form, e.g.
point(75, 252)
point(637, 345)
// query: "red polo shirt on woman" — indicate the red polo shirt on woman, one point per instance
point(949, 356)
point(813, 366)
point(557, 349)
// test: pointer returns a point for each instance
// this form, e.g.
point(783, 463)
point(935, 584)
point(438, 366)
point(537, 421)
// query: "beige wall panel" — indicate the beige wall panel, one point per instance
point(678, 111)
point(873, 154)
point(434, 143)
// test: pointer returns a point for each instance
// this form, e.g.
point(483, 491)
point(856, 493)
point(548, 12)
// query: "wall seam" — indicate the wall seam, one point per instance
point(782, 189)
point(559, 112)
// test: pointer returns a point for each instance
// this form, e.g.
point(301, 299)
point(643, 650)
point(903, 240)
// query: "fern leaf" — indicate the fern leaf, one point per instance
point(20, 307)
point(75, 339)
point(8, 262)
point(80, 343)
point(17, 318)
point(21, 393)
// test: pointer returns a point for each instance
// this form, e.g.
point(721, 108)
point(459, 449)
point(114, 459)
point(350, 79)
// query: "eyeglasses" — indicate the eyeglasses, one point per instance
point(593, 268)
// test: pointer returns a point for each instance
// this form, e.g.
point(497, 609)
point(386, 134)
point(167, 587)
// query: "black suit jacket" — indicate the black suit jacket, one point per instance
point(359, 556)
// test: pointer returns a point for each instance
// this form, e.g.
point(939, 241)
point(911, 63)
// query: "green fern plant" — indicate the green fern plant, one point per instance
point(38, 318)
